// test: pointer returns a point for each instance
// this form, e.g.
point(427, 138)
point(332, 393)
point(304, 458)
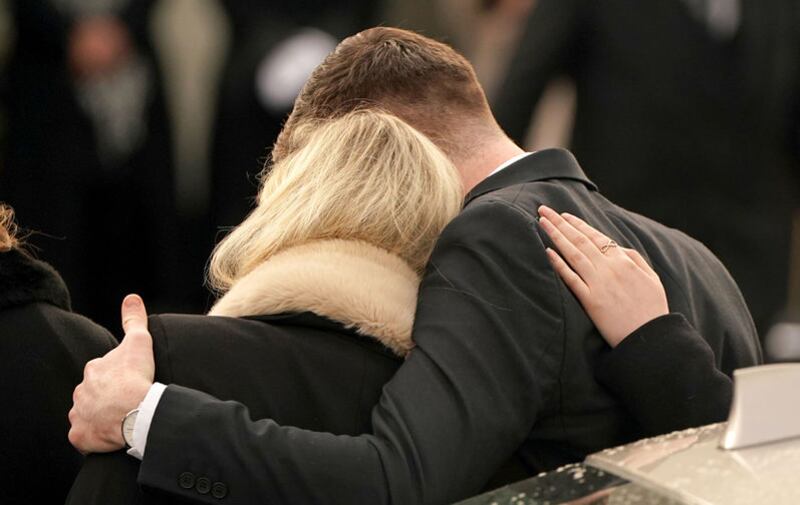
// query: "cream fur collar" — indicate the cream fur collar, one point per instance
point(354, 283)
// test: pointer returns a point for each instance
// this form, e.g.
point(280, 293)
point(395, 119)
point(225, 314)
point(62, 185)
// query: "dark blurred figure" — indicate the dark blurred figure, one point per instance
point(687, 112)
point(88, 154)
point(275, 46)
point(43, 349)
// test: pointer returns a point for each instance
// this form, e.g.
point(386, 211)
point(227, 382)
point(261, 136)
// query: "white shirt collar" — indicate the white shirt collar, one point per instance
point(509, 162)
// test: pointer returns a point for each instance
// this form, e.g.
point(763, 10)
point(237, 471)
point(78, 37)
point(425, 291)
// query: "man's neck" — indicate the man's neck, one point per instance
point(485, 160)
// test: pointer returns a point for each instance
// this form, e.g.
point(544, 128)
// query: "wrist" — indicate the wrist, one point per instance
point(143, 420)
point(636, 325)
point(132, 396)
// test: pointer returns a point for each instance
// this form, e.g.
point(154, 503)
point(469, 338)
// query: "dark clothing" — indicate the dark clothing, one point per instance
point(301, 370)
point(694, 131)
point(43, 349)
point(664, 364)
point(504, 365)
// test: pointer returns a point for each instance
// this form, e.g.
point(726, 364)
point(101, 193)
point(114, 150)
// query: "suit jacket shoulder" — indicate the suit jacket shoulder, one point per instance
point(697, 285)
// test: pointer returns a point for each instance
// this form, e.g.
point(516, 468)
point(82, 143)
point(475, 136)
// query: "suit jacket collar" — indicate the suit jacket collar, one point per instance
point(539, 166)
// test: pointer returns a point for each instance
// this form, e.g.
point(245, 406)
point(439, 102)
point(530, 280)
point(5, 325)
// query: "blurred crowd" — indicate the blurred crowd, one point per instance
point(133, 132)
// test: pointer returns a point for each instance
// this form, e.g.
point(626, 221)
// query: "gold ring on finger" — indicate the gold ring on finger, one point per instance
point(608, 246)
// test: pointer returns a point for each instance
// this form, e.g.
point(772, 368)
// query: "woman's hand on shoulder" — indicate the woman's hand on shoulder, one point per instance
point(618, 289)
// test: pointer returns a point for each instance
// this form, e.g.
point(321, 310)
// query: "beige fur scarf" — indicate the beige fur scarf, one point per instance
point(354, 283)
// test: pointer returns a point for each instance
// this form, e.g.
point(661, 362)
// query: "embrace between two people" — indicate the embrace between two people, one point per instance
point(396, 209)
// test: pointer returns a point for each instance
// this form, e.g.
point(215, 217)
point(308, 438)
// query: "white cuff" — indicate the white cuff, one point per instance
point(143, 419)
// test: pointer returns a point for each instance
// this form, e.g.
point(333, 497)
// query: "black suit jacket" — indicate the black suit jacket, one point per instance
point(43, 349)
point(504, 365)
point(697, 133)
point(298, 369)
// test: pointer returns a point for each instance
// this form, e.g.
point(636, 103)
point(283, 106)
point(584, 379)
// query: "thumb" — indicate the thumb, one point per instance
point(134, 322)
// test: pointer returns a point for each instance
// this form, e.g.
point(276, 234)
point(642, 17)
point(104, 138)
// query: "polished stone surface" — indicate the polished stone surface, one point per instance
point(571, 485)
point(682, 468)
point(691, 467)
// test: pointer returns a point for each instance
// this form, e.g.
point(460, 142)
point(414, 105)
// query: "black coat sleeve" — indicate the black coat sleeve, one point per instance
point(665, 374)
point(546, 47)
point(488, 328)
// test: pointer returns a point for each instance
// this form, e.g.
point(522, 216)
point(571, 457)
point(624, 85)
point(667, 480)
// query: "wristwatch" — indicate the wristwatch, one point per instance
point(128, 422)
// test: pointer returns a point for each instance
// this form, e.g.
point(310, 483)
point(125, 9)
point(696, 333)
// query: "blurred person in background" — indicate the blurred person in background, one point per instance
point(687, 112)
point(43, 348)
point(498, 25)
point(275, 47)
point(88, 159)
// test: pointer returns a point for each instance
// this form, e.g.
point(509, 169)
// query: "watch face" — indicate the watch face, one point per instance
point(127, 427)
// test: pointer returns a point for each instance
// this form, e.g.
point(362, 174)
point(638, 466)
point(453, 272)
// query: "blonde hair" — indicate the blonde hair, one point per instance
point(366, 176)
point(8, 229)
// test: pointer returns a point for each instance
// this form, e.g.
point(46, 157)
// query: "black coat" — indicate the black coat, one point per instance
point(299, 369)
point(43, 349)
point(504, 366)
point(699, 133)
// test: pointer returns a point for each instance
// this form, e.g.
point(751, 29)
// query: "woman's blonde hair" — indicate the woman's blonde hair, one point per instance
point(365, 176)
point(8, 229)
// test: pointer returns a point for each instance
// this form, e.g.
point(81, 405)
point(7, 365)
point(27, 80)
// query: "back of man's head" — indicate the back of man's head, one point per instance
point(424, 82)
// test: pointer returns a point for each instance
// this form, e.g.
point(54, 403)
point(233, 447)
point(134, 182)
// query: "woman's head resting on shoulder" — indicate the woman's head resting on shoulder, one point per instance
point(366, 176)
point(8, 229)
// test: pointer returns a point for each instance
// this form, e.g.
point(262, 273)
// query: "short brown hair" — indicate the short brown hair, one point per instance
point(424, 82)
point(8, 229)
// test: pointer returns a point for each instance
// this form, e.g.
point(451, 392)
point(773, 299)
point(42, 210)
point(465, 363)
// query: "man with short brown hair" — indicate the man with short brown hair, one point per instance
point(423, 81)
point(502, 380)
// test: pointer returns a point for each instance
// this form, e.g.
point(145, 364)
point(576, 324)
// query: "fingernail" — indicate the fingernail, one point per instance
point(132, 301)
point(545, 222)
